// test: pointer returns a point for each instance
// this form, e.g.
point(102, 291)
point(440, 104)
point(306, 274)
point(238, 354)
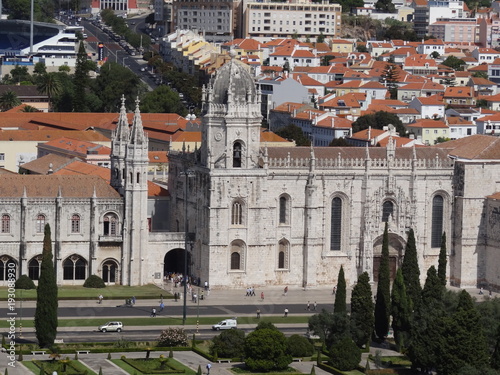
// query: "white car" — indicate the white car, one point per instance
point(111, 327)
point(226, 324)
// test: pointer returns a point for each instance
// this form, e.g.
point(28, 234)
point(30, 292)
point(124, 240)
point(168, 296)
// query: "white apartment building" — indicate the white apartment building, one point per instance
point(445, 9)
point(217, 20)
point(297, 17)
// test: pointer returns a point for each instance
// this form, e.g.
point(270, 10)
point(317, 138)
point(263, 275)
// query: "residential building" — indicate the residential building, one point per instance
point(454, 29)
point(293, 18)
point(428, 131)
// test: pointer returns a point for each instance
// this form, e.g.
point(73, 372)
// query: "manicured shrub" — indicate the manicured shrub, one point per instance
point(299, 346)
point(266, 350)
point(229, 344)
point(94, 281)
point(345, 355)
point(24, 282)
point(173, 337)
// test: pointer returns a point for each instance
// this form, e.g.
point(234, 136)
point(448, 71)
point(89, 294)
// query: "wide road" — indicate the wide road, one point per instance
point(147, 333)
point(172, 309)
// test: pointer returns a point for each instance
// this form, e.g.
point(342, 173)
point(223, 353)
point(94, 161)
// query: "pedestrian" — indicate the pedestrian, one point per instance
point(258, 313)
point(206, 285)
point(285, 291)
point(162, 306)
point(334, 290)
point(308, 307)
point(133, 300)
point(253, 292)
point(153, 313)
point(209, 366)
point(100, 298)
point(481, 291)
point(262, 296)
point(490, 292)
point(314, 306)
point(286, 313)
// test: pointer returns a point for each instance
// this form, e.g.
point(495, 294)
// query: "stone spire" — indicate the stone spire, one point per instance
point(137, 136)
point(121, 132)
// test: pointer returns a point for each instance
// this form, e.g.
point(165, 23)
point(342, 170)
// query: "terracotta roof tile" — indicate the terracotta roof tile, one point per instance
point(158, 157)
point(49, 186)
point(474, 147)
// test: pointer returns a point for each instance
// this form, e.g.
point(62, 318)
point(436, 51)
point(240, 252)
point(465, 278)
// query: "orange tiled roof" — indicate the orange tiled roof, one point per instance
point(425, 123)
point(157, 157)
point(83, 147)
point(81, 168)
point(474, 147)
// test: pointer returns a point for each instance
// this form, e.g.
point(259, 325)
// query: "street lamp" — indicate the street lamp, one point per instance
point(186, 173)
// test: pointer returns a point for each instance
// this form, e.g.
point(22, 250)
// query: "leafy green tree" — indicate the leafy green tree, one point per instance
point(454, 62)
point(383, 302)
point(464, 343)
point(162, 100)
point(20, 74)
point(385, 6)
point(361, 48)
point(449, 81)
point(320, 38)
point(40, 68)
point(46, 300)
point(345, 355)
point(435, 55)
point(114, 81)
point(63, 100)
point(321, 324)
point(481, 103)
point(81, 79)
point(411, 272)
point(362, 318)
point(400, 311)
point(29, 108)
point(266, 350)
point(229, 344)
point(340, 328)
point(64, 69)
point(24, 282)
point(299, 346)
point(340, 305)
point(50, 85)
point(378, 120)
point(9, 100)
point(427, 337)
point(480, 75)
point(495, 357)
point(265, 325)
point(442, 260)
point(293, 132)
point(339, 142)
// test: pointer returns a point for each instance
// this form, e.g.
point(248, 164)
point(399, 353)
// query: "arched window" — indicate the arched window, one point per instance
point(110, 225)
point(336, 225)
point(74, 268)
point(40, 223)
point(237, 255)
point(75, 224)
point(437, 221)
point(235, 261)
point(5, 223)
point(237, 214)
point(34, 267)
point(387, 211)
point(283, 251)
point(109, 271)
point(283, 210)
point(7, 268)
point(237, 155)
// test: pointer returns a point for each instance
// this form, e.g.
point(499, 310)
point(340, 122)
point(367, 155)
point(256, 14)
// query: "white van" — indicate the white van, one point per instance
point(226, 324)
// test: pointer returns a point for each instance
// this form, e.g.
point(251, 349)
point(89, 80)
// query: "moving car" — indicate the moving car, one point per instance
point(226, 324)
point(111, 327)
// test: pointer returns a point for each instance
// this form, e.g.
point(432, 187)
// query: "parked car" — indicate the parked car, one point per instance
point(111, 327)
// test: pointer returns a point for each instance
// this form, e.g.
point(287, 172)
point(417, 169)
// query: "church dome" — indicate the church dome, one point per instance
point(233, 84)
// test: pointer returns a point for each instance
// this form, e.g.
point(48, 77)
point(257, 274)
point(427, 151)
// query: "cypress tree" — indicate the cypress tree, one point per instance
point(46, 300)
point(442, 260)
point(362, 318)
point(400, 311)
point(464, 342)
point(411, 272)
point(495, 358)
point(340, 305)
point(383, 303)
point(427, 337)
point(80, 79)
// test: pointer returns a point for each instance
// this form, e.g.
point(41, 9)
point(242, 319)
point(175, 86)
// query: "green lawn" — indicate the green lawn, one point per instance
point(158, 321)
point(132, 370)
point(110, 292)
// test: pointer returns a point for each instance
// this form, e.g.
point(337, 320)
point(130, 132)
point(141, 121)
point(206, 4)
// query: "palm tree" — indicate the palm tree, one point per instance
point(28, 108)
point(49, 84)
point(9, 100)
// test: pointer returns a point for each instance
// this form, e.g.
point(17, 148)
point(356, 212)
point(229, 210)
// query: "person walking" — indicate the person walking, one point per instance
point(308, 307)
point(100, 298)
point(314, 306)
point(209, 366)
point(153, 313)
point(133, 300)
point(262, 296)
point(285, 291)
point(286, 313)
point(162, 306)
point(258, 313)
